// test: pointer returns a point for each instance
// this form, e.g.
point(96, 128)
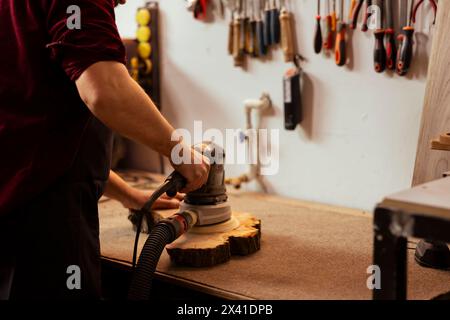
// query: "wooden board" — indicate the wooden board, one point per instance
point(431, 164)
point(206, 250)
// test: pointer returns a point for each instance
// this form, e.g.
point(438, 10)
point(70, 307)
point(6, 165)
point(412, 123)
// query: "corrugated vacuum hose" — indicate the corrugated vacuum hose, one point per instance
point(141, 285)
point(163, 233)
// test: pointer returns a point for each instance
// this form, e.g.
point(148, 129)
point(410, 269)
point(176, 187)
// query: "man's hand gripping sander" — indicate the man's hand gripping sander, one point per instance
point(204, 210)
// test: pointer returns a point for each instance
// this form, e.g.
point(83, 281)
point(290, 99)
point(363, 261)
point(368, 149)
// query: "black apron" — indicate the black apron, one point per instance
point(59, 230)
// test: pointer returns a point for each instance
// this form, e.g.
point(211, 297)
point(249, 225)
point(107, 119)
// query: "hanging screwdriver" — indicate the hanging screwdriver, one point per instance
point(355, 14)
point(248, 30)
point(318, 32)
point(406, 49)
point(230, 34)
point(391, 49)
point(333, 17)
point(275, 23)
point(379, 51)
point(254, 40)
point(403, 10)
point(328, 41)
point(242, 24)
point(267, 25)
point(287, 35)
point(233, 9)
point(261, 44)
point(352, 9)
point(238, 53)
point(367, 15)
point(340, 46)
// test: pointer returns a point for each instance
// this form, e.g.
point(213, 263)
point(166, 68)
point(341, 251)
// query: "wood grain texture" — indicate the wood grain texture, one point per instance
point(431, 164)
point(207, 250)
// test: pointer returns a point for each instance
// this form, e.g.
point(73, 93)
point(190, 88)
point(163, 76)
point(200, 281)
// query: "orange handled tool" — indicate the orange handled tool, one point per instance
point(333, 17)
point(352, 8)
point(328, 41)
point(341, 46)
point(355, 14)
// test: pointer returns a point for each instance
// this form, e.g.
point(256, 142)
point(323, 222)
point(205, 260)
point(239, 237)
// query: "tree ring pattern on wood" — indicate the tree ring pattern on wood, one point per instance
point(206, 250)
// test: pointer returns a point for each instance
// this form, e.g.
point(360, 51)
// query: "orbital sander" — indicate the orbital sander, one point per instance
point(209, 202)
point(205, 210)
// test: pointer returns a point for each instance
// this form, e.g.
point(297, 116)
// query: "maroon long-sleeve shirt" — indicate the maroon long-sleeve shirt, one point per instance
point(42, 118)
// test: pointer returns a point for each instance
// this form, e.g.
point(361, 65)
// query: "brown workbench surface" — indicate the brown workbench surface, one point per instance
point(309, 251)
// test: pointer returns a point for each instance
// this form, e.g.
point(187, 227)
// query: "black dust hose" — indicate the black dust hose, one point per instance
point(163, 233)
point(141, 284)
point(147, 207)
point(174, 183)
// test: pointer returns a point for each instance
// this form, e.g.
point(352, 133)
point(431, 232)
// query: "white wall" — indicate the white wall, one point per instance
point(359, 138)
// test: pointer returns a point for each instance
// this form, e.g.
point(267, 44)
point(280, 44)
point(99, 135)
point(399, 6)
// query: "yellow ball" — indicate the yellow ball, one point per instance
point(143, 17)
point(143, 34)
point(134, 63)
point(145, 50)
point(148, 66)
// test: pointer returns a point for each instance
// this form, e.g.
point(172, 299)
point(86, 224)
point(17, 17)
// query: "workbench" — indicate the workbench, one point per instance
point(421, 212)
point(308, 251)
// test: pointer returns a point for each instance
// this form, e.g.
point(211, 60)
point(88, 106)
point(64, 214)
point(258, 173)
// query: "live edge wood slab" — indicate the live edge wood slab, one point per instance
point(308, 251)
point(207, 250)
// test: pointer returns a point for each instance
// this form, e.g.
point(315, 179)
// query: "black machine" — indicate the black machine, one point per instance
point(293, 109)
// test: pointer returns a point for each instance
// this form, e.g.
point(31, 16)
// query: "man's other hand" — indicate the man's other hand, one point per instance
point(138, 198)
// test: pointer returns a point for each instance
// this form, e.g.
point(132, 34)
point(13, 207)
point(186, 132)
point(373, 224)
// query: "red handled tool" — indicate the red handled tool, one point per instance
point(328, 40)
point(406, 44)
point(391, 48)
point(318, 32)
point(407, 38)
point(379, 54)
point(200, 9)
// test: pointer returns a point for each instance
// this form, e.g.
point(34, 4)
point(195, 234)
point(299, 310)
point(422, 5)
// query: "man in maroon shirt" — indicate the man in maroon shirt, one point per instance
point(61, 89)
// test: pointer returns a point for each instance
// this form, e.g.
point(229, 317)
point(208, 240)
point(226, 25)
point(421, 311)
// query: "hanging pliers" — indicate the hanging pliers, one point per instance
point(355, 14)
point(417, 6)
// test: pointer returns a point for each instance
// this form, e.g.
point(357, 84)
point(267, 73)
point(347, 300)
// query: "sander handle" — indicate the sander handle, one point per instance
point(176, 182)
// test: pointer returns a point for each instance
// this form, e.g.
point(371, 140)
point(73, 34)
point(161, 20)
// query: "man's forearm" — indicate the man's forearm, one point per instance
point(116, 188)
point(119, 102)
